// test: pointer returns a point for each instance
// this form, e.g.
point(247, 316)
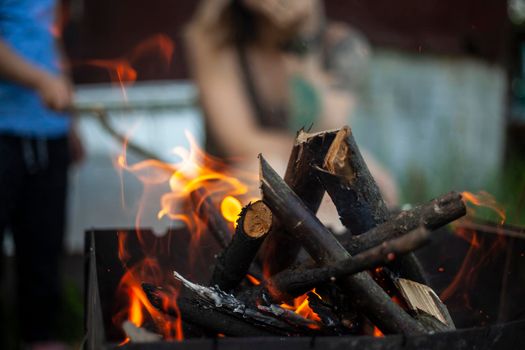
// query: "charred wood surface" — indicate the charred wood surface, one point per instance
point(294, 282)
point(209, 319)
point(432, 215)
point(358, 200)
point(324, 248)
point(232, 265)
point(208, 212)
point(308, 149)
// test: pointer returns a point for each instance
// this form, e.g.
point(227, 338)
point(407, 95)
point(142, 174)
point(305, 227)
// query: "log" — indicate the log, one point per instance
point(432, 215)
point(323, 247)
point(359, 203)
point(254, 223)
point(308, 149)
point(210, 319)
point(291, 283)
point(209, 213)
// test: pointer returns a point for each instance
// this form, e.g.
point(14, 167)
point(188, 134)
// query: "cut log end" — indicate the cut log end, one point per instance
point(335, 159)
point(257, 220)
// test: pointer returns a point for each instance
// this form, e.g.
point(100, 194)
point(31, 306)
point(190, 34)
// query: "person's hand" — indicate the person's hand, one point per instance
point(286, 13)
point(56, 92)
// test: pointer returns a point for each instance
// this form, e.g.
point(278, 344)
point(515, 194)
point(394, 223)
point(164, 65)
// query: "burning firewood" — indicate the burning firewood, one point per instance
point(254, 223)
point(217, 226)
point(359, 203)
point(432, 215)
point(220, 312)
point(308, 149)
point(323, 247)
point(291, 283)
point(208, 318)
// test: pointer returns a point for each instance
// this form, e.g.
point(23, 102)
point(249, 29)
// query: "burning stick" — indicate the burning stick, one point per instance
point(359, 203)
point(214, 220)
point(308, 149)
point(294, 282)
point(432, 215)
point(210, 319)
point(254, 223)
point(324, 248)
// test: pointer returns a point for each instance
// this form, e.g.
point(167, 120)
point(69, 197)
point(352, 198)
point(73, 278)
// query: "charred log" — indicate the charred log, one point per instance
point(198, 314)
point(324, 248)
point(253, 225)
point(359, 203)
point(308, 149)
point(432, 215)
point(208, 212)
point(295, 282)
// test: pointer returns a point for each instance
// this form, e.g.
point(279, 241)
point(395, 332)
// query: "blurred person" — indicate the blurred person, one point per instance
point(37, 142)
point(266, 68)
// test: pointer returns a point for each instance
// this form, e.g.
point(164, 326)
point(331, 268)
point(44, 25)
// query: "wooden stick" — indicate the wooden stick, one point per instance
point(432, 215)
point(295, 282)
point(308, 149)
point(324, 248)
point(208, 212)
point(359, 203)
point(254, 223)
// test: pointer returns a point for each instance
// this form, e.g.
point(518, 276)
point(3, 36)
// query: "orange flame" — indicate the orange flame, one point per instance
point(230, 208)
point(121, 70)
point(484, 199)
point(302, 307)
point(475, 257)
point(196, 172)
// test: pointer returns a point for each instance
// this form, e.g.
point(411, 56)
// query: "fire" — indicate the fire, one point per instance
point(486, 200)
point(230, 208)
point(253, 280)
point(377, 333)
point(122, 70)
point(302, 307)
point(194, 179)
point(475, 257)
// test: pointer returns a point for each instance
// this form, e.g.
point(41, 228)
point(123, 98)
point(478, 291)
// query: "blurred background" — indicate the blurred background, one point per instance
point(442, 105)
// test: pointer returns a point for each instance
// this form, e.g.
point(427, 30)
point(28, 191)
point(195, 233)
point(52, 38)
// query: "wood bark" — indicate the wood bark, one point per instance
point(432, 215)
point(347, 179)
point(308, 149)
point(291, 283)
point(208, 318)
point(323, 247)
point(208, 212)
point(254, 223)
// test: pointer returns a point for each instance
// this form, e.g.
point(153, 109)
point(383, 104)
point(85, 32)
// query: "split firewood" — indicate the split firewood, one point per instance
point(432, 215)
point(323, 247)
point(426, 305)
point(345, 176)
point(254, 223)
point(308, 149)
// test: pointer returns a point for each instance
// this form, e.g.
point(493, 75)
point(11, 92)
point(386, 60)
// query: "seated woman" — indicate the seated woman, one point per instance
point(265, 69)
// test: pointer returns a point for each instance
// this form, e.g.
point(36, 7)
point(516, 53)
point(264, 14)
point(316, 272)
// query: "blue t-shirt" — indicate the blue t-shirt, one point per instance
point(26, 26)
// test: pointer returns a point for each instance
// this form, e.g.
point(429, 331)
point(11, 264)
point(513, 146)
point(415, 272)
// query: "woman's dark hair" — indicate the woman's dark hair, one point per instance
point(241, 24)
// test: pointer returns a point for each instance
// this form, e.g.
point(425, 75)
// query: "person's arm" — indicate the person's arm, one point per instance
point(54, 91)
